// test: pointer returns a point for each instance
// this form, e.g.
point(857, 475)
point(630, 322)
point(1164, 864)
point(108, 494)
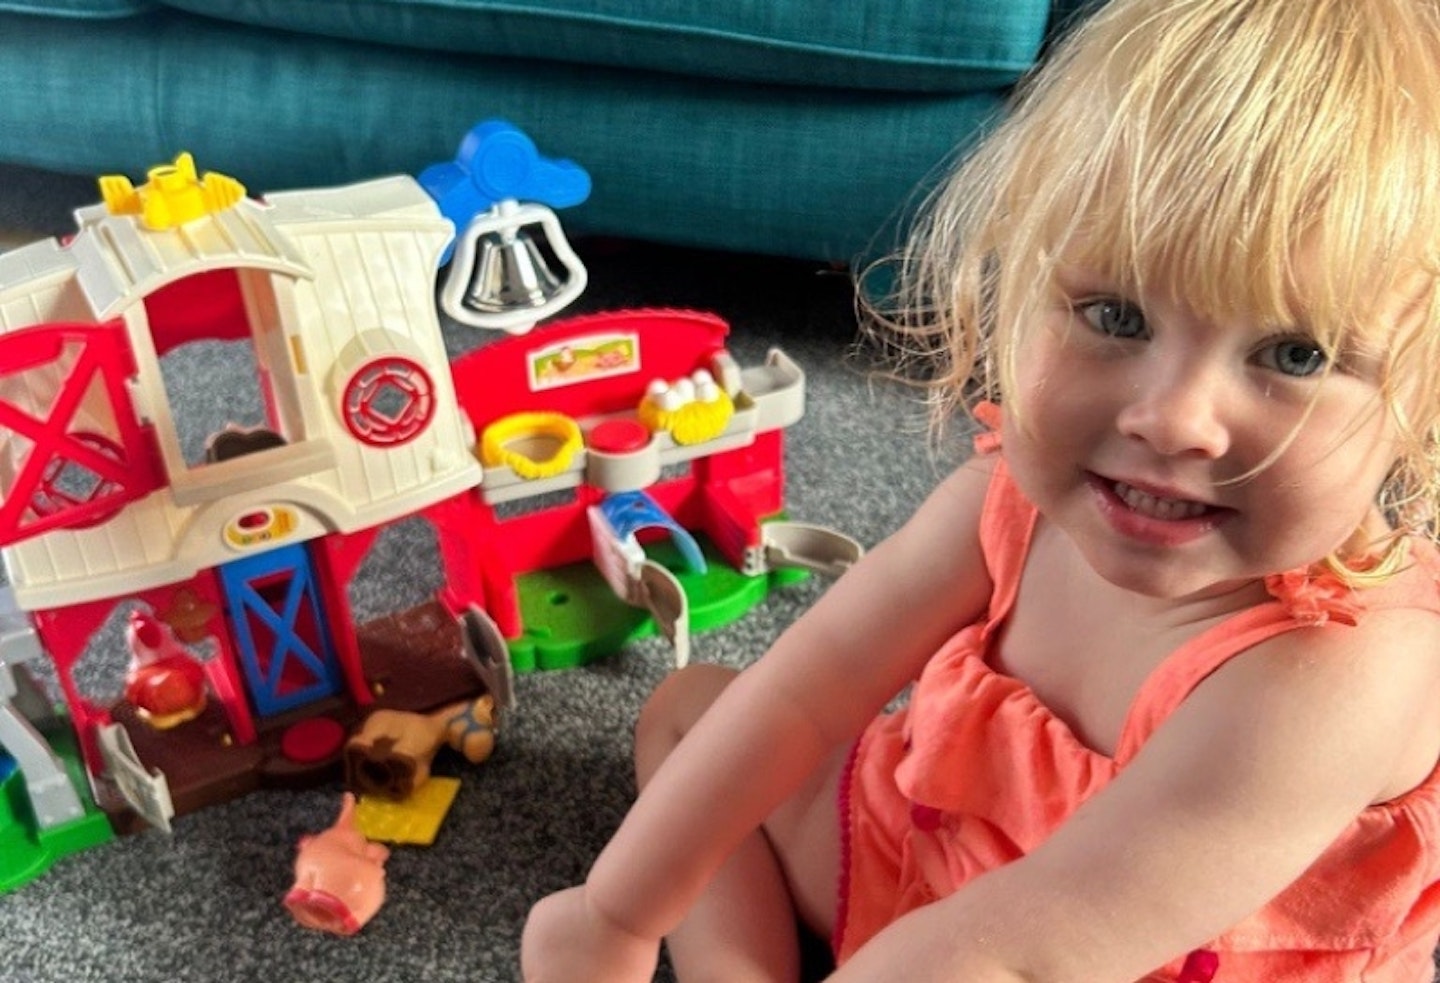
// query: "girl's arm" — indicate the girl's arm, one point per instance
point(821, 682)
point(1229, 802)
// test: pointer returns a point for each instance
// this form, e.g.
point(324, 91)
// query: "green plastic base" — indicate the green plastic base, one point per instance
point(573, 618)
point(26, 851)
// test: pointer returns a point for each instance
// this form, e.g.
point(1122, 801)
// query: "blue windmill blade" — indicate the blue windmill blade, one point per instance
point(498, 162)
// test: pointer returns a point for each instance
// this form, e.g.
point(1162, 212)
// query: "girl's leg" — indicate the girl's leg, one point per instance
point(742, 927)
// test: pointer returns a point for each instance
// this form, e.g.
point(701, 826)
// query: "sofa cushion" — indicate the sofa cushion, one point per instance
point(910, 45)
point(813, 173)
point(90, 9)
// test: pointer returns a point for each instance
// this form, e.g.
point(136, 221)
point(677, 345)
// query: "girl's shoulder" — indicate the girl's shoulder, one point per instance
point(1369, 665)
point(1373, 650)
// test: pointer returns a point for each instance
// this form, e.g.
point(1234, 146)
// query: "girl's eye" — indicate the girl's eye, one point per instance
point(1297, 357)
point(1114, 318)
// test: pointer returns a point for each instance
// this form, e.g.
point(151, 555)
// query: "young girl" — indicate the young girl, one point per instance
point(1176, 628)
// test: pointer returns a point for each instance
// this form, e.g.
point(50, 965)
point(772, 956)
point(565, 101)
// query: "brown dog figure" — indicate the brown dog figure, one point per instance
point(391, 753)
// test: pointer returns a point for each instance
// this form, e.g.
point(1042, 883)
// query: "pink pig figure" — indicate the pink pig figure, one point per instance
point(339, 877)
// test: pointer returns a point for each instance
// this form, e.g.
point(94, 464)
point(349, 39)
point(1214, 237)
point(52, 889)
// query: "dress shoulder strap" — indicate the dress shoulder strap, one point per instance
point(1184, 669)
point(1007, 526)
point(1007, 523)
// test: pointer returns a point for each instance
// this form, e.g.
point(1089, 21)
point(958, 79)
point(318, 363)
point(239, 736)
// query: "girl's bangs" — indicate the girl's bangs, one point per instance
point(1235, 165)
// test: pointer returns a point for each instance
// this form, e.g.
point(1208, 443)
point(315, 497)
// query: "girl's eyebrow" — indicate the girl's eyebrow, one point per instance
point(1081, 280)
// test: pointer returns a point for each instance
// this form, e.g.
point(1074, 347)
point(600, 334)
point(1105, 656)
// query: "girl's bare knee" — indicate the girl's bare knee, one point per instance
point(678, 702)
point(683, 697)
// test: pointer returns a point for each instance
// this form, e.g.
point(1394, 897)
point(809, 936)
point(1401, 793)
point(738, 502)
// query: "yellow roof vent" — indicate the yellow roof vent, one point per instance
point(172, 195)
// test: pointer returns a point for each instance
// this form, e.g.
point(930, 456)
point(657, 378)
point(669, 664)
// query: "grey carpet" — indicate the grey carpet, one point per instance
point(204, 903)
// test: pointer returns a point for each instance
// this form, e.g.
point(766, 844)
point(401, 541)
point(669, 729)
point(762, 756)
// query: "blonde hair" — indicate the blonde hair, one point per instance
point(1277, 159)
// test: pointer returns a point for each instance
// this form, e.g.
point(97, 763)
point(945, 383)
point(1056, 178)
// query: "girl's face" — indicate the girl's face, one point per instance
point(1185, 456)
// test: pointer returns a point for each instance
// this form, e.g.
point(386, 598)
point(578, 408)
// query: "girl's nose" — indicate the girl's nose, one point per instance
point(1178, 414)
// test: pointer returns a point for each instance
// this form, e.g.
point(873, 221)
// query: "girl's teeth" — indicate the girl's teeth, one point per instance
point(1168, 509)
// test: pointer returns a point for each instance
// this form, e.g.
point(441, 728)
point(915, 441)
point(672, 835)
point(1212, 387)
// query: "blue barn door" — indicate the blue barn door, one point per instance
point(279, 628)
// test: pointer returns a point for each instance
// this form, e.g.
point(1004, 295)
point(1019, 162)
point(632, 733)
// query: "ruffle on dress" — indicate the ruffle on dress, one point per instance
point(987, 414)
point(1315, 596)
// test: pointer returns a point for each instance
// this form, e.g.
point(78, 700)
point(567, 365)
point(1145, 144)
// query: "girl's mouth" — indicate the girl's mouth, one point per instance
point(1155, 519)
point(1155, 507)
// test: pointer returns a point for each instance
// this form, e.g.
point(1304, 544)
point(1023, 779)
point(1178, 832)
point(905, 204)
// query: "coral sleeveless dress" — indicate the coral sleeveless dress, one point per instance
point(975, 772)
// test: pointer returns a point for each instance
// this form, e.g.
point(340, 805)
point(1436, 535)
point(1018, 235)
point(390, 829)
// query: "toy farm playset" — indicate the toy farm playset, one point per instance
point(588, 480)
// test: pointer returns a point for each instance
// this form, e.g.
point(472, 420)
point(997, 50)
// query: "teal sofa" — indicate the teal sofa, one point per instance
point(787, 127)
